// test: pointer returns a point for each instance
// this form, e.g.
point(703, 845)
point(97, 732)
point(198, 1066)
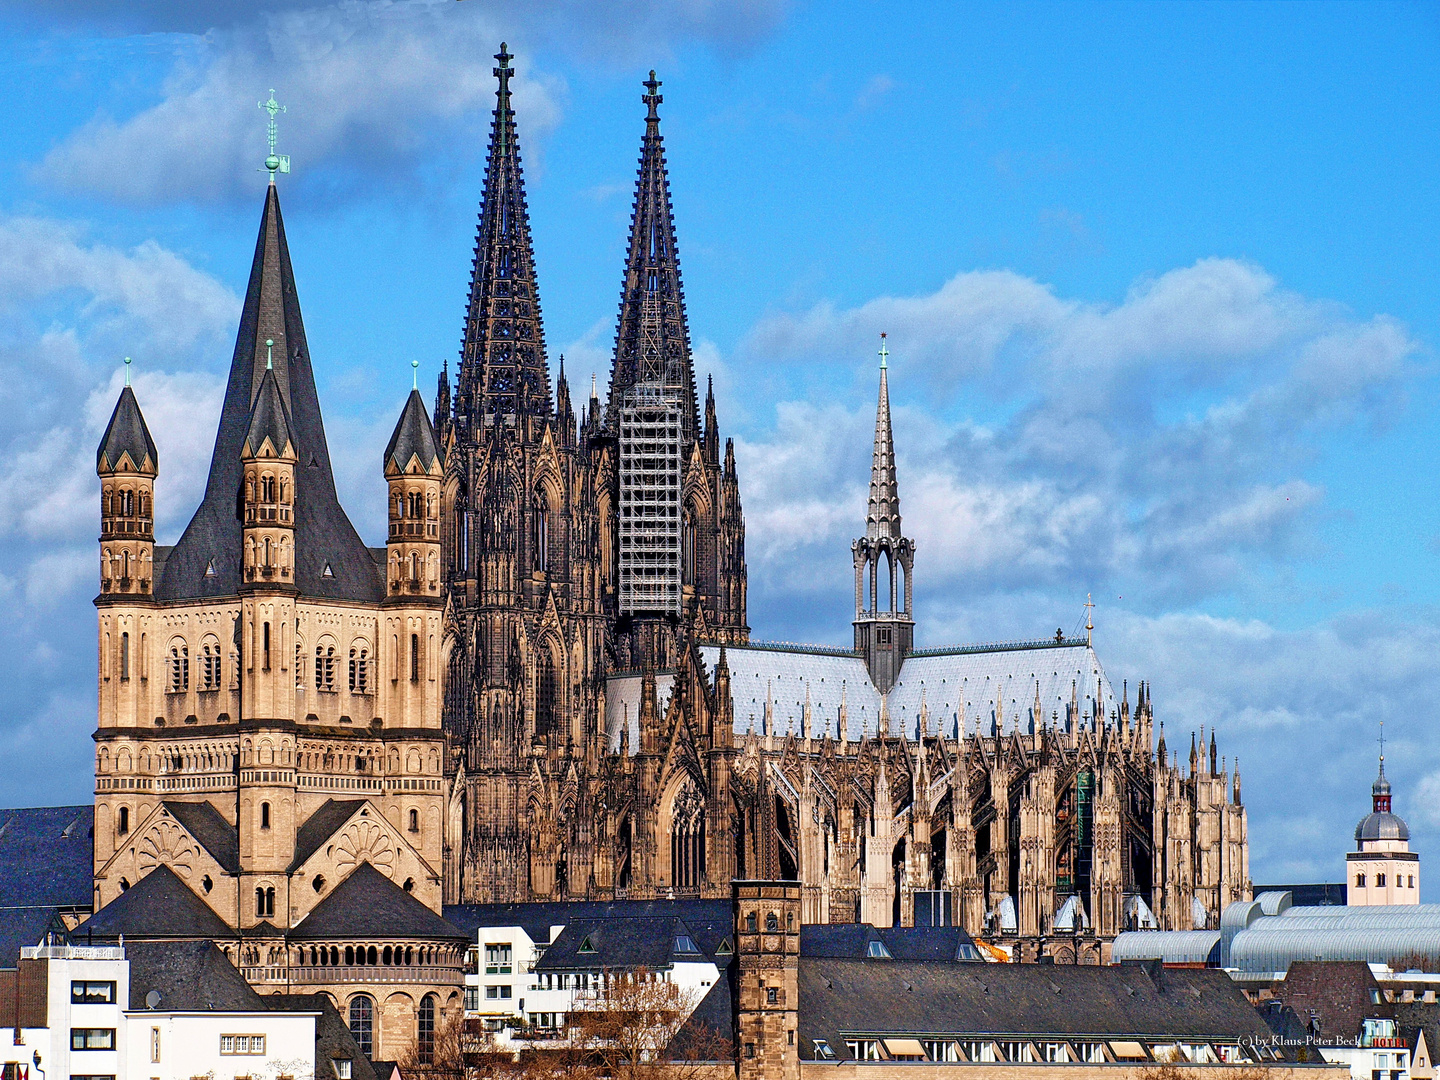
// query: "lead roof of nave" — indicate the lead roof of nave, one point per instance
point(949, 684)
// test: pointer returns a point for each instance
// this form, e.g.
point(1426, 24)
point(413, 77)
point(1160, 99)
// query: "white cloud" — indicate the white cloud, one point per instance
point(376, 89)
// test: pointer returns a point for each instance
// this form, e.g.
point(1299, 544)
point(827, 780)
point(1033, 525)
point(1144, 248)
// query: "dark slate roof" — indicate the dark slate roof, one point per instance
point(838, 999)
point(47, 857)
point(1330, 894)
point(189, 976)
point(852, 940)
point(1338, 994)
point(269, 419)
point(712, 919)
point(332, 1037)
point(127, 434)
point(414, 437)
point(216, 835)
point(320, 826)
point(323, 534)
point(617, 944)
point(158, 906)
point(24, 928)
point(708, 1033)
point(367, 904)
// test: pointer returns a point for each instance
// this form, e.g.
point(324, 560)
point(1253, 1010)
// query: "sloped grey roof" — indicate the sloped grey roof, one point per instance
point(838, 998)
point(158, 906)
point(269, 418)
point(216, 835)
point(367, 904)
point(324, 536)
point(127, 434)
point(47, 856)
point(320, 826)
point(965, 681)
point(710, 921)
point(852, 941)
point(332, 1037)
point(414, 436)
point(189, 976)
point(24, 928)
point(624, 944)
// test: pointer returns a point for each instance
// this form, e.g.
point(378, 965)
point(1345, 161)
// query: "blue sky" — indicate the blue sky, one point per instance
point(1158, 279)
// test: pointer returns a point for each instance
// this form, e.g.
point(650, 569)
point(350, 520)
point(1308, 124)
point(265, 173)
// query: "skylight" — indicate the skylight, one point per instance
point(683, 943)
point(877, 950)
point(586, 947)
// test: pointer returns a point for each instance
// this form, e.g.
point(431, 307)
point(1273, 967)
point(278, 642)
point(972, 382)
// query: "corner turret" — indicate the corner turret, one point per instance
point(127, 462)
point(414, 467)
point(268, 459)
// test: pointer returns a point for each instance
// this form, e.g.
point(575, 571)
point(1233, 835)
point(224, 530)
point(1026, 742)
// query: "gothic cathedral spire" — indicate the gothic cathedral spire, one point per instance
point(652, 342)
point(503, 371)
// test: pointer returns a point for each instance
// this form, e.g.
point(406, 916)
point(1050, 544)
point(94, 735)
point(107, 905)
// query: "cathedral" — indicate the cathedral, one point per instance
point(543, 686)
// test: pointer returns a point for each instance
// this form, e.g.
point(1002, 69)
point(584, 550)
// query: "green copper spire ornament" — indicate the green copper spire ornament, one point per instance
point(127, 371)
point(274, 162)
point(415, 374)
point(269, 363)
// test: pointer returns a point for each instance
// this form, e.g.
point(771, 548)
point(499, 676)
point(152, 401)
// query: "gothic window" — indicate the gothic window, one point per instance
point(210, 664)
point(179, 664)
point(691, 539)
point(360, 668)
point(425, 1040)
point(687, 837)
point(124, 657)
point(542, 531)
point(414, 657)
point(545, 694)
point(325, 666)
point(362, 1023)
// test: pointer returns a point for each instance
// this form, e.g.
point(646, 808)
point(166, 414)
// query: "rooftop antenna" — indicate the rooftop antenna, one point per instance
point(274, 162)
point(127, 371)
point(1089, 622)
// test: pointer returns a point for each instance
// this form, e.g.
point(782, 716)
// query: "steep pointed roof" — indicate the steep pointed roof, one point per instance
point(652, 341)
point(157, 906)
point(323, 534)
point(367, 904)
point(127, 434)
point(882, 516)
point(414, 437)
point(268, 420)
point(503, 369)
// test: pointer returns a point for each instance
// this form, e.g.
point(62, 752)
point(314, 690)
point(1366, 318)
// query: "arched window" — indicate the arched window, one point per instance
point(691, 539)
point(414, 820)
point(359, 668)
point(362, 1023)
point(414, 657)
point(541, 537)
point(179, 663)
point(325, 666)
point(425, 1036)
point(210, 664)
point(545, 694)
point(264, 815)
point(299, 664)
point(124, 657)
point(265, 902)
point(1360, 881)
point(1379, 881)
point(125, 825)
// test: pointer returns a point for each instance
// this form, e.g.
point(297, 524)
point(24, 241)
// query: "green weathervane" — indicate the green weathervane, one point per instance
point(275, 162)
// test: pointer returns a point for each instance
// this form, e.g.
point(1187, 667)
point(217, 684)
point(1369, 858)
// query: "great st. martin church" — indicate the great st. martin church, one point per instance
point(543, 686)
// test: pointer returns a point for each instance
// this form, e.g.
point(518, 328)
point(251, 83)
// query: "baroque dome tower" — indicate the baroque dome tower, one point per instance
point(1382, 869)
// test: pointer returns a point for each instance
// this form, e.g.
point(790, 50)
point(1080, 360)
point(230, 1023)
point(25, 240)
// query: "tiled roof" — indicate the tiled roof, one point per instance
point(216, 835)
point(324, 537)
point(24, 928)
point(367, 904)
point(189, 976)
point(852, 941)
point(320, 826)
point(622, 944)
point(158, 906)
point(127, 434)
point(333, 1040)
point(838, 1000)
point(269, 418)
point(710, 920)
point(414, 437)
point(47, 857)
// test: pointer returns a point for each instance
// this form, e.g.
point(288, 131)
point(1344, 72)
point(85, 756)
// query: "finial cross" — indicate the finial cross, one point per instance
point(1382, 731)
point(653, 97)
point(274, 162)
point(884, 352)
point(1089, 622)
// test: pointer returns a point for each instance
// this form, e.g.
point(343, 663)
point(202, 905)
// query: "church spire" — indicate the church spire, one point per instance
point(652, 341)
point(503, 370)
point(882, 516)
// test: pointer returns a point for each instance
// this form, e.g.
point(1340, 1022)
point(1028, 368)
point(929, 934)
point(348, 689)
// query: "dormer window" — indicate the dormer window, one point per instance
point(876, 950)
point(684, 944)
